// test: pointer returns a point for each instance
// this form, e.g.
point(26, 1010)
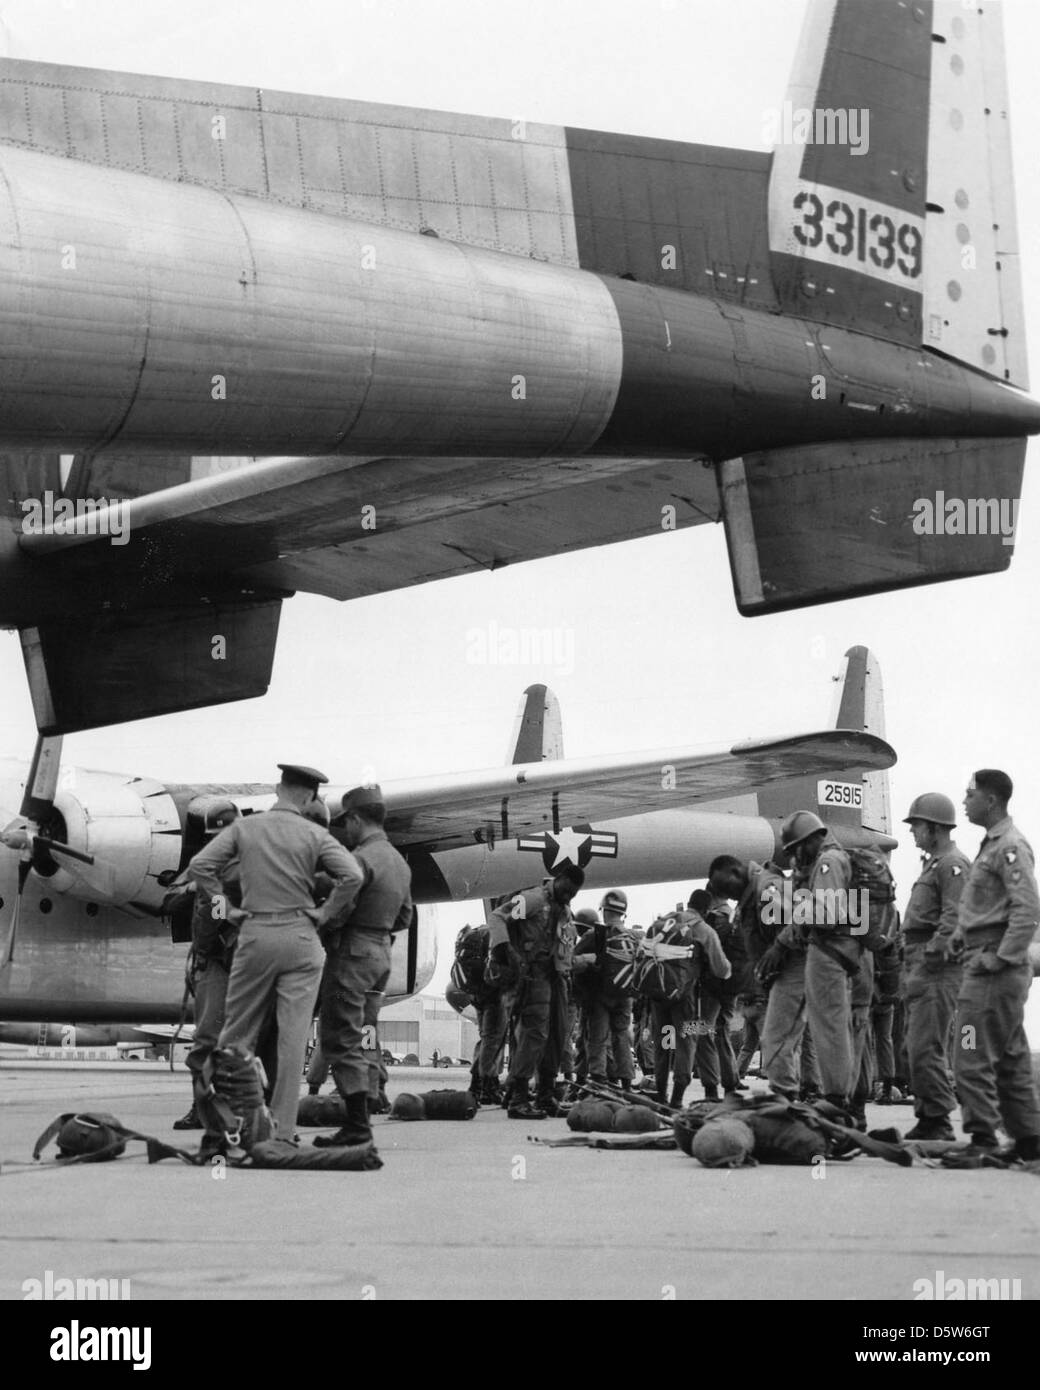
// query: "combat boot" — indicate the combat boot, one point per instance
point(355, 1129)
point(190, 1120)
point(520, 1107)
point(931, 1127)
point(679, 1090)
point(982, 1152)
point(1025, 1150)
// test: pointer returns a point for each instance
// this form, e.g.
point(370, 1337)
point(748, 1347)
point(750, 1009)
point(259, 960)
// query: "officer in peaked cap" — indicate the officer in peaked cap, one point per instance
point(358, 942)
point(294, 775)
point(278, 958)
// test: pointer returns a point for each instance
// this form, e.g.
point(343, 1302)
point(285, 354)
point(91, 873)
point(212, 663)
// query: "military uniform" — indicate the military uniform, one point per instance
point(674, 1022)
point(717, 1002)
point(931, 982)
point(278, 958)
point(836, 965)
point(998, 916)
point(783, 1027)
point(358, 939)
point(541, 934)
point(607, 1008)
point(213, 941)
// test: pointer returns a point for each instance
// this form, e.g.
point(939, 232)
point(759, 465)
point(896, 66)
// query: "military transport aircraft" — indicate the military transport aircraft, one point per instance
point(81, 865)
point(259, 342)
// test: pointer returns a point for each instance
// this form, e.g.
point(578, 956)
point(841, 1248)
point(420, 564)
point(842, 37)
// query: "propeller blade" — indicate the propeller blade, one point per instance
point(8, 952)
point(58, 848)
point(42, 782)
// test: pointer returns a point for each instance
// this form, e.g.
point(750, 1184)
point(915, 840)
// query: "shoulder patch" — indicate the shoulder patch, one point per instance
point(1010, 856)
point(825, 868)
point(956, 871)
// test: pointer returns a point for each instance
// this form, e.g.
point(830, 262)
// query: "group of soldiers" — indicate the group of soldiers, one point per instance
point(293, 910)
point(959, 964)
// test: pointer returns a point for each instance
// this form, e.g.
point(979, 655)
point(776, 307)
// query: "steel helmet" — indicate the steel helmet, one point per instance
point(616, 900)
point(798, 827)
point(407, 1107)
point(726, 1142)
point(932, 806)
point(219, 815)
point(587, 917)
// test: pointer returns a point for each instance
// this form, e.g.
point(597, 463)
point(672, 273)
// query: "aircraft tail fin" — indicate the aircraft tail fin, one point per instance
point(891, 201)
point(538, 731)
point(855, 804)
point(860, 705)
point(537, 737)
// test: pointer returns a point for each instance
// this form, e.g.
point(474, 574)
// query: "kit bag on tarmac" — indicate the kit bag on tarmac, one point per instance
point(662, 977)
point(872, 876)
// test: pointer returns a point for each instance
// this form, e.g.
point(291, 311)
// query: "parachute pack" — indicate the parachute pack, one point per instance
point(872, 876)
point(471, 956)
point(666, 964)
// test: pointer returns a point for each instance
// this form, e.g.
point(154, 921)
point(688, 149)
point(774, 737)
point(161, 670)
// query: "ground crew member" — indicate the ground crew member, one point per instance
point(278, 958)
point(998, 916)
point(673, 1022)
point(358, 939)
point(212, 948)
point(931, 965)
point(776, 949)
point(834, 963)
point(532, 940)
point(714, 1059)
point(609, 1006)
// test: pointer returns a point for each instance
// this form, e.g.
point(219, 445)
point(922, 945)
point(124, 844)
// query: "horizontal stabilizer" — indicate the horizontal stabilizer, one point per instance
point(114, 668)
point(833, 521)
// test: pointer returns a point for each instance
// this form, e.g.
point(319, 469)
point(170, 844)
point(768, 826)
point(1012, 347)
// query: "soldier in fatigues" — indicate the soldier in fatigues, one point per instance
point(714, 1059)
point(776, 952)
point(999, 913)
point(532, 940)
point(212, 950)
point(673, 1021)
point(834, 964)
point(358, 939)
point(609, 1008)
point(931, 965)
point(278, 958)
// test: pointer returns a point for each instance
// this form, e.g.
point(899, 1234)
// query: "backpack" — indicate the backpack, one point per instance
point(871, 875)
point(665, 981)
point(471, 956)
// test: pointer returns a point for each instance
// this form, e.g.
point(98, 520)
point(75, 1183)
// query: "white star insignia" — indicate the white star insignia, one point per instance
point(568, 844)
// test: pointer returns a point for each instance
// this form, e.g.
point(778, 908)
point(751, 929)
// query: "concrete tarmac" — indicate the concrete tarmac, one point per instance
point(475, 1211)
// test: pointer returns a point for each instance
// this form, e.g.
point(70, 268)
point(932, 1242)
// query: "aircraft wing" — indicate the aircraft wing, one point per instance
point(344, 527)
point(504, 803)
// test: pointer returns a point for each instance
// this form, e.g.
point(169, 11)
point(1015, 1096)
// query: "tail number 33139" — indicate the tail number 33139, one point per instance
point(854, 230)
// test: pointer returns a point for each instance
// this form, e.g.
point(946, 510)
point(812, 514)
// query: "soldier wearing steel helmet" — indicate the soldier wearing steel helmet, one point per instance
point(609, 1006)
point(835, 962)
point(997, 919)
point(931, 962)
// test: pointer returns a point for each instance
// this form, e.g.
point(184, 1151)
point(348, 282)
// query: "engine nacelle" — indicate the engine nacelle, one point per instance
point(131, 827)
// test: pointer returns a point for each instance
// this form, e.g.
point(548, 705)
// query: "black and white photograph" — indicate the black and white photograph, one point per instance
point(519, 576)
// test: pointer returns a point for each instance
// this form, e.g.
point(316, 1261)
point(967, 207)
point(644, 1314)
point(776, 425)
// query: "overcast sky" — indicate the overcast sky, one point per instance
point(660, 653)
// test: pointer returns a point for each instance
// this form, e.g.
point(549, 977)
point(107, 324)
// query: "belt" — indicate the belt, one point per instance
point(272, 919)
